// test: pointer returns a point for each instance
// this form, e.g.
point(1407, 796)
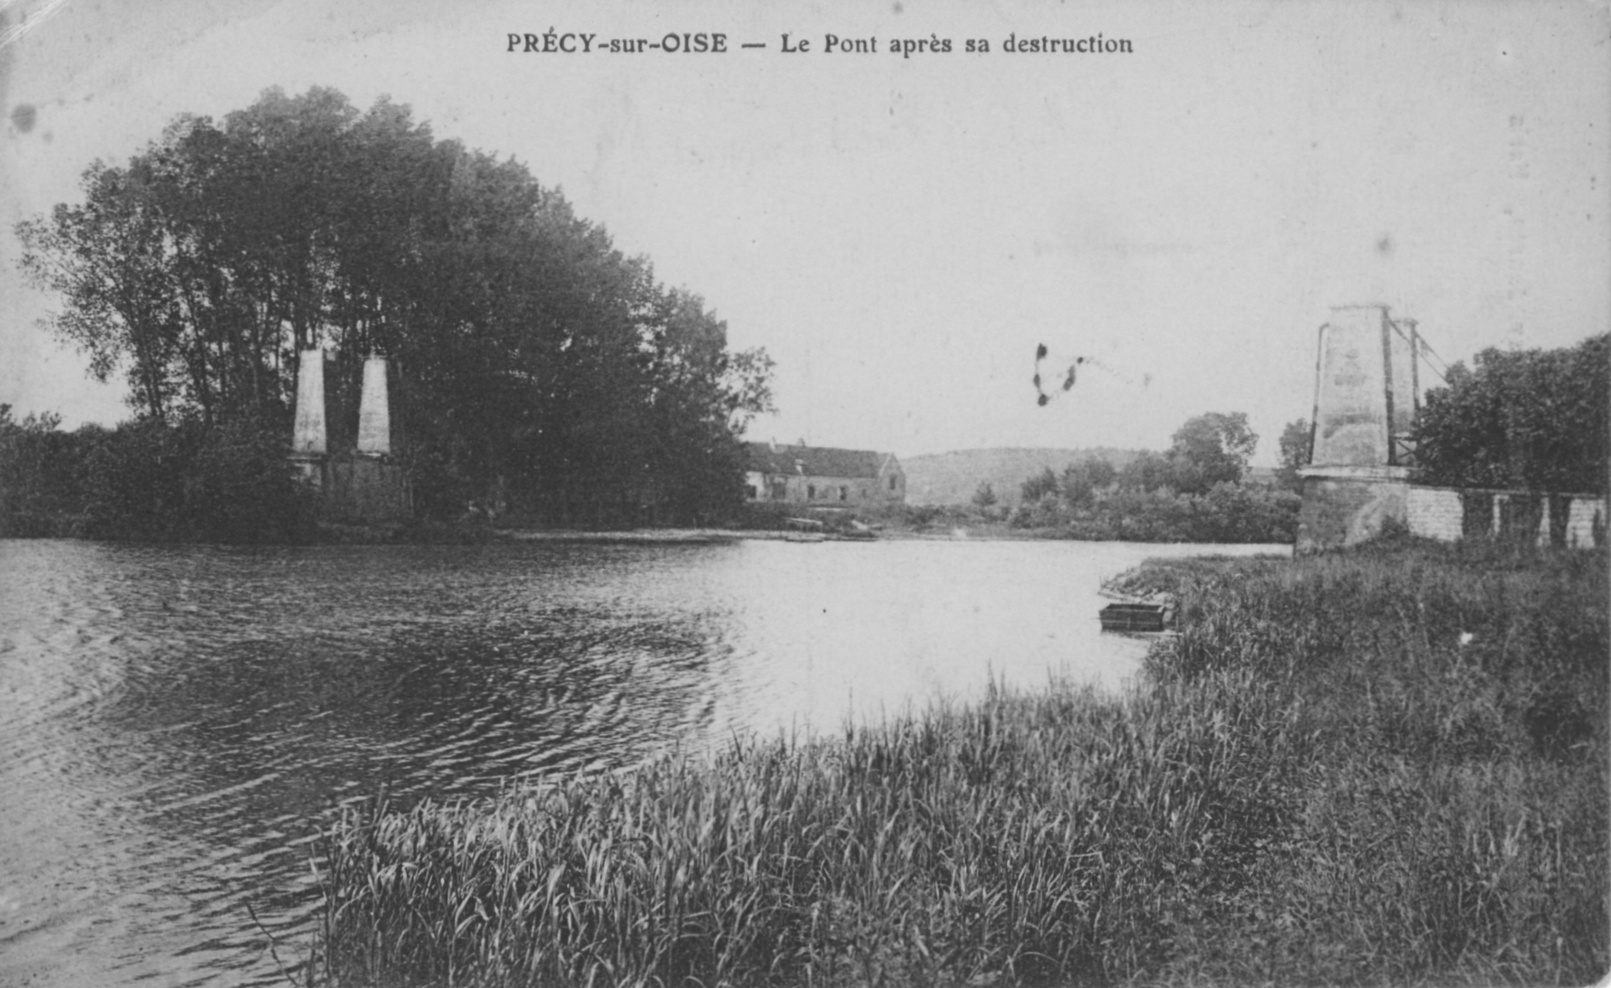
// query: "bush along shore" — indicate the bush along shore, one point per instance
point(1384, 766)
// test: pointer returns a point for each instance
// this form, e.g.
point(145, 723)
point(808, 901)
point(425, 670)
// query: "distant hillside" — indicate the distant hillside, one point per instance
point(951, 478)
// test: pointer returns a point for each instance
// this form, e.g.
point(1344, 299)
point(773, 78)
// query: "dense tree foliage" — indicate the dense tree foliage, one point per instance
point(42, 474)
point(1191, 493)
point(148, 479)
point(530, 355)
point(1149, 471)
point(1041, 485)
point(1226, 513)
point(1530, 419)
point(1296, 440)
point(1083, 478)
point(1209, 449)
point(1212, 448)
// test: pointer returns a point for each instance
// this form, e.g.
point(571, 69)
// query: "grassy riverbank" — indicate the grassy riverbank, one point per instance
point(1381, 767)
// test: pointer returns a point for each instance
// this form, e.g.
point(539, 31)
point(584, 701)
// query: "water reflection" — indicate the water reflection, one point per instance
point(176, 723)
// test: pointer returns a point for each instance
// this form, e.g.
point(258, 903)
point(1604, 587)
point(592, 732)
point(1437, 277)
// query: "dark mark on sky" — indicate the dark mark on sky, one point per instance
point(23, 117)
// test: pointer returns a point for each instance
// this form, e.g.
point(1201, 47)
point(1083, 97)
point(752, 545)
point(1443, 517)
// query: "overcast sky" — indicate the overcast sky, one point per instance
point(900, 233)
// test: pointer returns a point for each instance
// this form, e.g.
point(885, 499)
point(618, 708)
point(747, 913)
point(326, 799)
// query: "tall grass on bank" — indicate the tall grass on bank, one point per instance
point(1379, 767)
point(1451, 817)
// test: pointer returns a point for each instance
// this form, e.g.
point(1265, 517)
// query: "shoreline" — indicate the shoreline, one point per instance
point(333, 533)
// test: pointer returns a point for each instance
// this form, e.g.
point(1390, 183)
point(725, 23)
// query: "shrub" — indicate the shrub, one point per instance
point(42, 476)
point(239, 487)
point(231, 483)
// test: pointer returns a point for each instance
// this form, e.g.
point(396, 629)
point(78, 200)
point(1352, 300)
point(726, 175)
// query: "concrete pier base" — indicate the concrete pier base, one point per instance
point(1346, 506)
point(308, 470)
point(363, 490)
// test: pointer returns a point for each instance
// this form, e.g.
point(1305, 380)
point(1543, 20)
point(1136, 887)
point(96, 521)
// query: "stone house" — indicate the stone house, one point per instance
point(822, 476)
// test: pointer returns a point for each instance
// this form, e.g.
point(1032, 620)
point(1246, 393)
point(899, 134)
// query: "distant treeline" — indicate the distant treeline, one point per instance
point(952, 478)
point(1193, 492)
point(533, 363)
point(1227, 512)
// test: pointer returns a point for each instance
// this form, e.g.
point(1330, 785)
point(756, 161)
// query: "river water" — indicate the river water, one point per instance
point(176, 723)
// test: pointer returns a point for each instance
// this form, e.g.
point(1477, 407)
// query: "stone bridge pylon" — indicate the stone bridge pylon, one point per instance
point(358, 485)
point(1367, 393)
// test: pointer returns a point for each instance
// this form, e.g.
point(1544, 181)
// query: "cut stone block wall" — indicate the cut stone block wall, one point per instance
point(1346, 511)
point(1439, 513)
point(1434, 513)
point(1585, 519)
point(366, 491)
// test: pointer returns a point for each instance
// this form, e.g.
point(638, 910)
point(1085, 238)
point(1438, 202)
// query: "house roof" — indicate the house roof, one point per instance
point(814, 461)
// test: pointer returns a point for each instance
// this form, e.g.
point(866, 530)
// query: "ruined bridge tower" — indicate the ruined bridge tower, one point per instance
point(1367, 392)
point(359, 485)
point(308, 433)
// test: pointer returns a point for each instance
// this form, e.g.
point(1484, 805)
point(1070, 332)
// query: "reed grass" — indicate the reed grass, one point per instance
point(1379, 767)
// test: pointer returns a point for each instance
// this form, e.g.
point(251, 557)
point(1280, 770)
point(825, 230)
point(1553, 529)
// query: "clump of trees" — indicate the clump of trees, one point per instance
point(1528, 420)
point(1297, 440)
point(1193, 492)
point(148, 479)
point(1209, 449)
point(42, 475)
point(530, 355)
point(1522, 419)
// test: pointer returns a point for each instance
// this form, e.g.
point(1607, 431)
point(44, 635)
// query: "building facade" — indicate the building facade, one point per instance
point(822, 476)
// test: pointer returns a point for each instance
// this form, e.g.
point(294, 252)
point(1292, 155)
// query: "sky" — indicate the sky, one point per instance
point(900, 231)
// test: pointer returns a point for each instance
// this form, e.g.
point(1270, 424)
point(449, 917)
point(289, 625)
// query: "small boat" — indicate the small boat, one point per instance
point(837, 526)
point(1136, 617)
point(857, 532)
